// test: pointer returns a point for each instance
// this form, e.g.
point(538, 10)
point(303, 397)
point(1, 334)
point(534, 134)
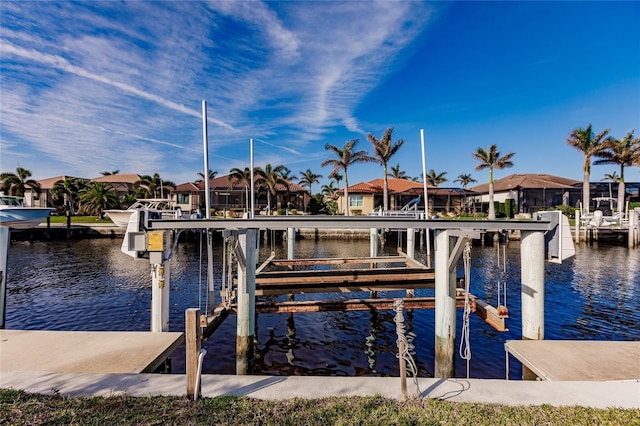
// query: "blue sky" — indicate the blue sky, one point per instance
point(87, 87)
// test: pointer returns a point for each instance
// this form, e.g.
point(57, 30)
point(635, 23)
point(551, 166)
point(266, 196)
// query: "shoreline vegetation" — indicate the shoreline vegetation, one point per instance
point(19, 407)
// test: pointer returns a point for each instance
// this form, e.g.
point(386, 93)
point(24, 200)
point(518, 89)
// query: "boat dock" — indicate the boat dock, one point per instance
point(572, 360)
point(103, 352)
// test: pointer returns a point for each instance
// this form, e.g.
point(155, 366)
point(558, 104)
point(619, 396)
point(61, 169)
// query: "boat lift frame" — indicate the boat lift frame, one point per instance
point(543, 238)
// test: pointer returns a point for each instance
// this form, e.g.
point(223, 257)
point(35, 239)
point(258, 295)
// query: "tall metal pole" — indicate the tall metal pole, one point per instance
point(253, 184)
point(426, 197)
point(207, 198)
point(205, 142)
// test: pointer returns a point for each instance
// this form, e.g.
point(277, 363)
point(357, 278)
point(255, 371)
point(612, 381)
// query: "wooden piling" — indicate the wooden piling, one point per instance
point(160, 277)
point(193, 333)
point(291, 243)
point(532, 289)
point(411, 245)
point(373, 242)
point(5, 240)
point(445, 310)
point(246, 302)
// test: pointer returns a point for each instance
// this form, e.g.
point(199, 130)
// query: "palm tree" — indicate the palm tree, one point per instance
point(330, 191)
point(383, 150)
point(16, 183)
point(69, 190)
point(335, 175)
point(346, 157)
point(611, 177)
point(270, 177)
point(241, 177)
point(622, 152)
point(108, 173)
point(98, 196)
point(491, 159)
point(153, 186)
point(435, 179)
point(397, 173)
point(212, 174)
point(465, 180)
point(589, 144)
point(307, 178)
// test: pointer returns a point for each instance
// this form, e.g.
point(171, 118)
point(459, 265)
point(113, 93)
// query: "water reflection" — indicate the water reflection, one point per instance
point(90, 285)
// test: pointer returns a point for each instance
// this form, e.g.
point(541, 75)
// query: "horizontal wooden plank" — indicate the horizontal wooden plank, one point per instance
point(347, 305)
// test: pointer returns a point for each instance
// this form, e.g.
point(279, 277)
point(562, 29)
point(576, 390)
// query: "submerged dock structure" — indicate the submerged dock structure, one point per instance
point(547, 237)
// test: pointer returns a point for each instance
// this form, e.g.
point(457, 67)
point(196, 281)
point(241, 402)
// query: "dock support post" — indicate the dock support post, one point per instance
point(445, 309)
point(160, 273)
point(532, 289)
point(246, 316)
point(5, 240)
point(411, 245)
point(291, 243)
point(633, 224)
point(577, 225)
point(193, 333)
point(373, 242)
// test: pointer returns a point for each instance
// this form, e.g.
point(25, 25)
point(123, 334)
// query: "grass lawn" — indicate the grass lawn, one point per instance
point(78, 219)
point(20, 408)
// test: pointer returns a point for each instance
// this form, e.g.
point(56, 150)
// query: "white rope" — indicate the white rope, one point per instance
point(465, 343)
point(406, 354)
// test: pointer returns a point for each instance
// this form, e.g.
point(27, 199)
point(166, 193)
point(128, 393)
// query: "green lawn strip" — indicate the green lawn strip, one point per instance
point(77, 219)
point(19, 408)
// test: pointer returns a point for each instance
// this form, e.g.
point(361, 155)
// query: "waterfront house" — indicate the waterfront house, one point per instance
point(226, 196)
point(532, 192)
point(44, 198)
point(365, 197)
point(122, 183)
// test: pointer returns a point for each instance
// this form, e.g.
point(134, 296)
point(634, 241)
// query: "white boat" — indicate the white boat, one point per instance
point(164, 207)
point(14, 214)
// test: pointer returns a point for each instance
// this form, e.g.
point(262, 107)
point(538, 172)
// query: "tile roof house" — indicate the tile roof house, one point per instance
point(122, 183)
point(364, 197)
point(226, 196)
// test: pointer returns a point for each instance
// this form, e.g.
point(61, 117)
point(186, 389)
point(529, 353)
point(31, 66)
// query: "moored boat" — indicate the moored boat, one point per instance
point(163, 206)
point(14, 214)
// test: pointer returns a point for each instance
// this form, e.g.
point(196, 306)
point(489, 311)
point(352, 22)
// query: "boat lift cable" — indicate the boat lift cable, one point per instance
point(465, 341)
point(200, 275)
point(227, 270)
point(502, 282)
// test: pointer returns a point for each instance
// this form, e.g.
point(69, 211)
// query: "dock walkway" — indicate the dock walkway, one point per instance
point(571, 360)
point(85, 351)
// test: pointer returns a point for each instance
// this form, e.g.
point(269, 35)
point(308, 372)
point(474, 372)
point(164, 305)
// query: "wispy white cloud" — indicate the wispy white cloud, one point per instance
point(95, 86)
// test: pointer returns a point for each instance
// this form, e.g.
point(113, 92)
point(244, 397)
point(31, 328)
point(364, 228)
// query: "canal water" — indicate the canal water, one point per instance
point(91, 285)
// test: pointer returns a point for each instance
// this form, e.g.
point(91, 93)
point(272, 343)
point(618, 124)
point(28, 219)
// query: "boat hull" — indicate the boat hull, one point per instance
point(119, 217)
point(23, 217)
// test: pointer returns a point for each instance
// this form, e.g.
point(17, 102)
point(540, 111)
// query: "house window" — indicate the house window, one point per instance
point(183, 198)
point(355, 200)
